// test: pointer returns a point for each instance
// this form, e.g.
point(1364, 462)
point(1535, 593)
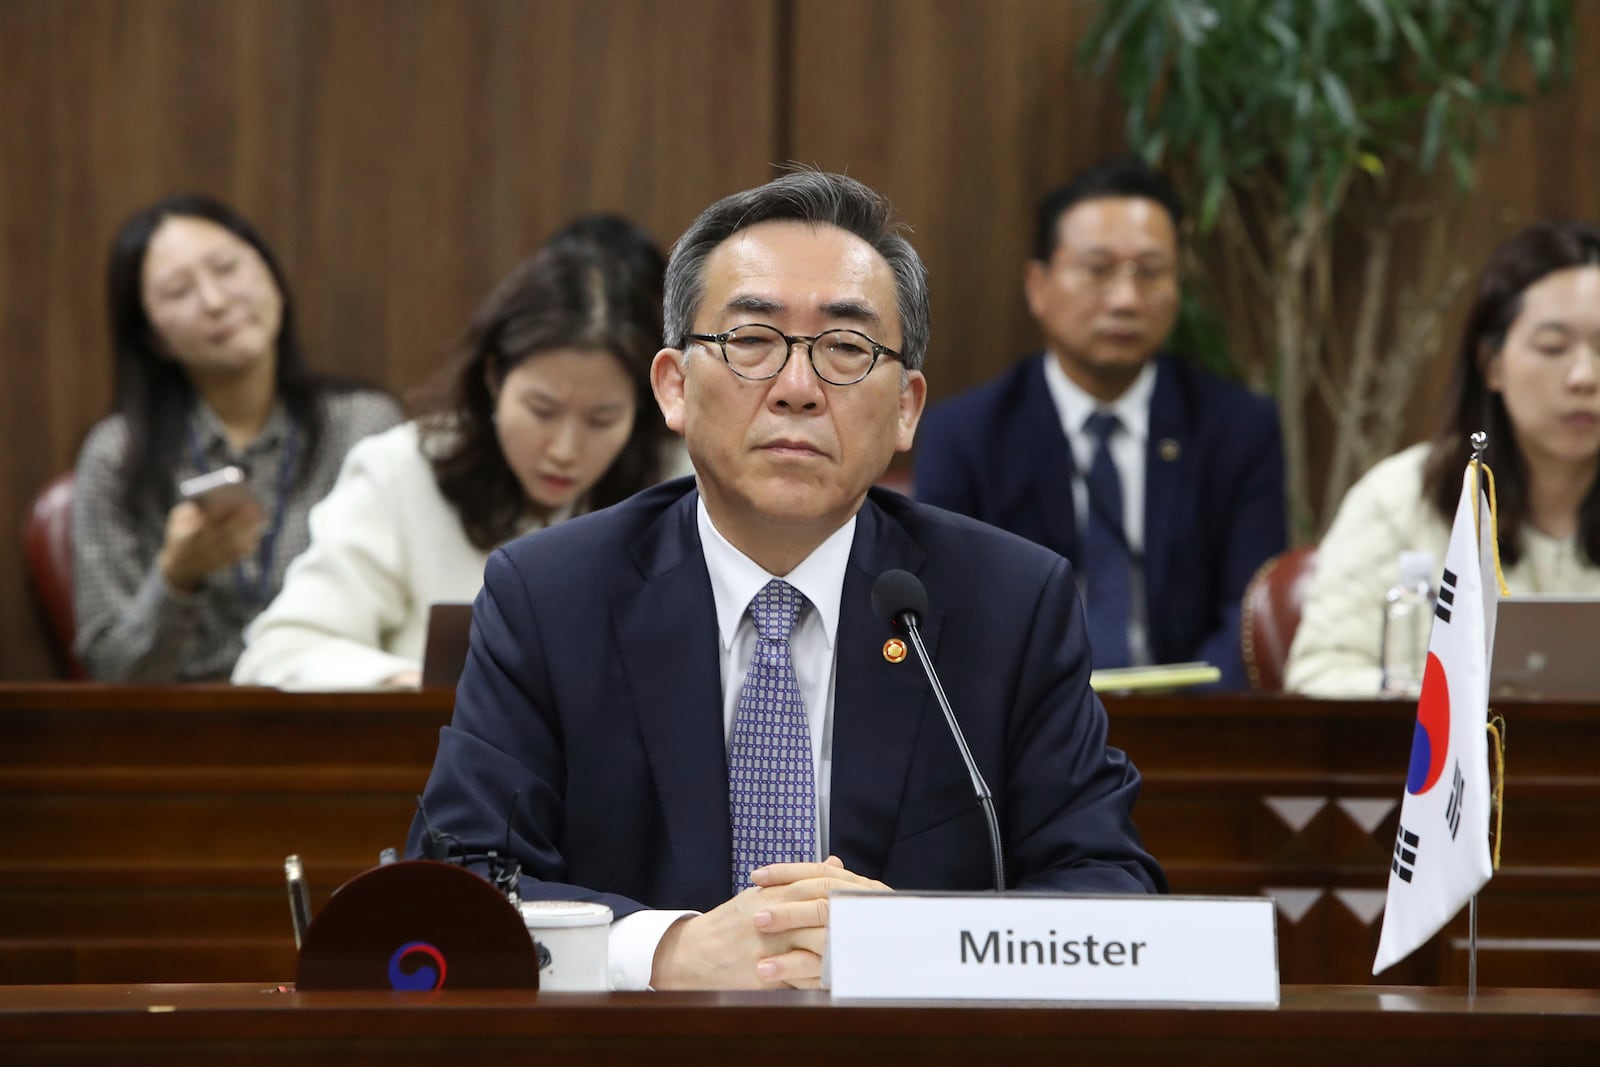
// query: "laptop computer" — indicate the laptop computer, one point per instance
point(1545, 646)
point(444, 654)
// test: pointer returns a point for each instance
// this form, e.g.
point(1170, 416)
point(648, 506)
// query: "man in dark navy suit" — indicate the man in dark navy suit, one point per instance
point(1162, 484)
point(687, 703)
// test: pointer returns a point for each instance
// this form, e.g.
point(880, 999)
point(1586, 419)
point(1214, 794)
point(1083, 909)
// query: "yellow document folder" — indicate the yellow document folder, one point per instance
point(1156, 676)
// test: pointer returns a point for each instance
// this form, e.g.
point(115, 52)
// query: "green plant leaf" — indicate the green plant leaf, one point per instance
point(1377, 13)
point(1200, 334)
point(1211, 202)
point(1541, 53)
point(1339, 102)
point(1279, 31)
point(1433, 126)
point(1190, 21)
point(1461, 167)
point(1112, 24)
point(1154, 148)
point(1499, 96)
point(1413, 34)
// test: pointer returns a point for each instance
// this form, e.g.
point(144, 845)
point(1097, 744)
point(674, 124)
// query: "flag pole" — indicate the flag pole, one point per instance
point(1480, 443)
point(1472, 948)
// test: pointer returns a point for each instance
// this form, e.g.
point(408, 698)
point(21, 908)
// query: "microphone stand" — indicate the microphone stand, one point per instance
point(980, 788)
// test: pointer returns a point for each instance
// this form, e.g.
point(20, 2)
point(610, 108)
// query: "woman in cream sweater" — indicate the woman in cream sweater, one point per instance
point(1528, 373)
point(550, 412)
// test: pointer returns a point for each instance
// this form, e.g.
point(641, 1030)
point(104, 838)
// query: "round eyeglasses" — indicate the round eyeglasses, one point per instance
point(756, 352)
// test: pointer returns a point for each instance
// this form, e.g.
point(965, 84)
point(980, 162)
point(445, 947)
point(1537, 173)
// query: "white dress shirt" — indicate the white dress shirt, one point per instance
point(1128, 450)
point(735, 581)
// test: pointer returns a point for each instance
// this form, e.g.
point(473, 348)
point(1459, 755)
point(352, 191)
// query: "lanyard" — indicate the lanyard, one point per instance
point(267, 551)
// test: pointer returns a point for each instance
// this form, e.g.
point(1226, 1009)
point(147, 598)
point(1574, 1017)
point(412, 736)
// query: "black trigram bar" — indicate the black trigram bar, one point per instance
point(1452, 808)
point(1405, 854)
point(1447, 596)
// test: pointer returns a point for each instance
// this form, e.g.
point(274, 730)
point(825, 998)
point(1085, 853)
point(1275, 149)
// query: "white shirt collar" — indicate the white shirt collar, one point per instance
point(1074, 406)
point(736, 578)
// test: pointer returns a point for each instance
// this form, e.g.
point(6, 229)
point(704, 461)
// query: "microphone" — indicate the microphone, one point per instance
point(504, 870)
point(435, 846)
point(900, 599)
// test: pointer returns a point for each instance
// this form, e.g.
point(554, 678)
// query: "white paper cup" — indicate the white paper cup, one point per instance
point(576, 934)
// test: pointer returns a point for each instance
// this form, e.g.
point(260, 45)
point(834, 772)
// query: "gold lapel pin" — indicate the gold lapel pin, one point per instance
point(1169, 449)
point(894, 650)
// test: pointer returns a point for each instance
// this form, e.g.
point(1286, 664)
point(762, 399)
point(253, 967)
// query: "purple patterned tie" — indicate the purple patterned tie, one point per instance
point(771, 793)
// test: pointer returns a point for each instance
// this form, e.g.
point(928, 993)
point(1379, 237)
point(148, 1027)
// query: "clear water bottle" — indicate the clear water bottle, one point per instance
point(1407, 619)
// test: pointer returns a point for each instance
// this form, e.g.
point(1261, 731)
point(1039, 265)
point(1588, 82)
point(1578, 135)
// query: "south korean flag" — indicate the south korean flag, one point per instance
point(1441, 851)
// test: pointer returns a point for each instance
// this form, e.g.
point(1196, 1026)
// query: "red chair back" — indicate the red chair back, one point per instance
point(1270, 615)
point(47, 541)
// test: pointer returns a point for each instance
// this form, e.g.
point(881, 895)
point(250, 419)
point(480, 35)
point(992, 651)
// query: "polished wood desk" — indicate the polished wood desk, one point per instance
point(146, 827)
point(243, 1025)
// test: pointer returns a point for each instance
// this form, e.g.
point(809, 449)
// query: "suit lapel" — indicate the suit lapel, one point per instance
point(879, 707)
point(1167, 463)
point(1038, 466)
point(667, 628)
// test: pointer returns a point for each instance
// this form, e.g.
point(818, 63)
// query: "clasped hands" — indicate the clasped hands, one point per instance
point(769, 936)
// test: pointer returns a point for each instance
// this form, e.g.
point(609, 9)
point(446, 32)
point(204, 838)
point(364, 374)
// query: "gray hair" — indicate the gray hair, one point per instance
point(808, 196)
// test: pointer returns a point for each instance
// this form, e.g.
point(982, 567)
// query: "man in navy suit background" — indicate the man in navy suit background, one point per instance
point(1188, 497)
point(621, 662)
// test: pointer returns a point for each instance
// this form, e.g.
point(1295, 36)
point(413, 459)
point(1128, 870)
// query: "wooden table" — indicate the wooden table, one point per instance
point(146, 826)
point(247, 1024)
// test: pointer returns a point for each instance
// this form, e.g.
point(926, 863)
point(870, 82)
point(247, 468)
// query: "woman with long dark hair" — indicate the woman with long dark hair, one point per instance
point(549, 413)
point(209, 375)
point(1527, 373)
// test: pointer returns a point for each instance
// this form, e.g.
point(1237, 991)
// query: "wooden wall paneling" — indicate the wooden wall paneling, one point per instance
point(963, 112)
point(24, 252)
point(57, 147)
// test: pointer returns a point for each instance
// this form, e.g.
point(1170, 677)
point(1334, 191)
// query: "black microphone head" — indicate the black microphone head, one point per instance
point(433, 843)
point(898, 593)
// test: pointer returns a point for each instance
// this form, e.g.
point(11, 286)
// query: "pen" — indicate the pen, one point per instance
point(299, 899)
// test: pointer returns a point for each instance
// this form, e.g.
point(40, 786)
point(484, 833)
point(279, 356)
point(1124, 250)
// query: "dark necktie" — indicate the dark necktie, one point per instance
point(1107, 567)
point(772, 797)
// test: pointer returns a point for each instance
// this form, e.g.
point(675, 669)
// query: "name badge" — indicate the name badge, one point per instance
point(1155, 949)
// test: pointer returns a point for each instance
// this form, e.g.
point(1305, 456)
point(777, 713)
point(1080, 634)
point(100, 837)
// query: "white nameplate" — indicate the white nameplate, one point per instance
point(1157, 949)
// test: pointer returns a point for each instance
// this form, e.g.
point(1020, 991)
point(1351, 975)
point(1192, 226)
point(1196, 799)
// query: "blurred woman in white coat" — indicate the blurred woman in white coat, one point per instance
point(550, 414)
